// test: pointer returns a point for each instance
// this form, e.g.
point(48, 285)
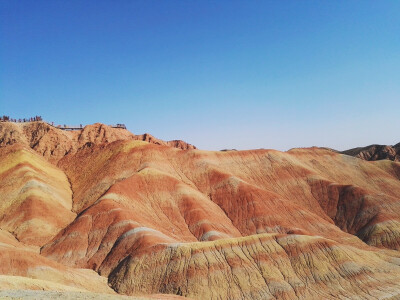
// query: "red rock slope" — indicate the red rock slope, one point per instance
point(54, 143)
point(260, 224)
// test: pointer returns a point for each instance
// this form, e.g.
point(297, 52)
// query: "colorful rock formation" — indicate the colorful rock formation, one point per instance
point(155, 217)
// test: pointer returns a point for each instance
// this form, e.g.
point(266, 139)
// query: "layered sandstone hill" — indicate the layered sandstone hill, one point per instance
point(156, 219)
point(54, 143)
point(376, 152)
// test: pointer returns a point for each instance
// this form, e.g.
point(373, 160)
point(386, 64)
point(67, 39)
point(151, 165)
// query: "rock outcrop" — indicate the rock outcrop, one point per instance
point(54, 143)
point(376, 152)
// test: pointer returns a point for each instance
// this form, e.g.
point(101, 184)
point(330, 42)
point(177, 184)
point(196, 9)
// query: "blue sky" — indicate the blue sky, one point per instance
point(218, 74)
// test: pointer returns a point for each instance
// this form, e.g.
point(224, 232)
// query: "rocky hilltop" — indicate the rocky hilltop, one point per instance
point(105, 213)
point(54, 143)
point(376, 152)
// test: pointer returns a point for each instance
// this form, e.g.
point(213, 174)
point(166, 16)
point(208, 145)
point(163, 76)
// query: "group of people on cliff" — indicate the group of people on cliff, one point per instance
point(39, 118)
point(32, 119)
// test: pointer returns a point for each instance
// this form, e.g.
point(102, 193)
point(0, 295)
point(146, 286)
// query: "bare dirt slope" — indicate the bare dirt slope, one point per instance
point(137, 217)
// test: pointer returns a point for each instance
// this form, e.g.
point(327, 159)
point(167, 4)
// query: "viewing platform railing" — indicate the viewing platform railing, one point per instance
point(80, 127)
point(63, 127)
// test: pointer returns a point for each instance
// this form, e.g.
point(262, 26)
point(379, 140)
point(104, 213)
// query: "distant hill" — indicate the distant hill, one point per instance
point(375, 152)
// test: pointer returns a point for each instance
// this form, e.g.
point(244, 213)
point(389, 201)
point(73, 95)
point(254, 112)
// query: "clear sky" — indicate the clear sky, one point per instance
point(218, 74)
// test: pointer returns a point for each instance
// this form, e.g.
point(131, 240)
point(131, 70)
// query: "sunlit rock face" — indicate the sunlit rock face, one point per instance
point(54, 143)
point(36, 197)
point(117, 213)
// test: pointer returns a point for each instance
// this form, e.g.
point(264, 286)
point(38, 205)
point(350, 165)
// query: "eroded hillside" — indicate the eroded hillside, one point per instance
point(164, 218)
point(54, 143)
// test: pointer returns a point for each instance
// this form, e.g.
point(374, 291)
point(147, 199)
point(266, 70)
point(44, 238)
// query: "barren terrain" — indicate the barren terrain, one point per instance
point(103, 211)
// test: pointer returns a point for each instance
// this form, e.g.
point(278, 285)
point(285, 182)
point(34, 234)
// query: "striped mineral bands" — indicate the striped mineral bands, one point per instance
point(102, 210)
point(265, 266)
point(36, 198)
